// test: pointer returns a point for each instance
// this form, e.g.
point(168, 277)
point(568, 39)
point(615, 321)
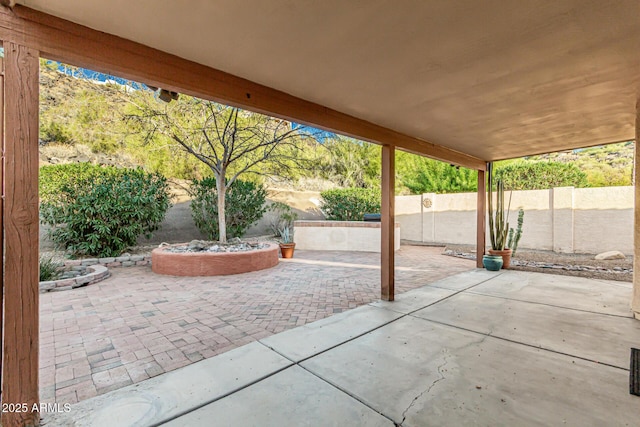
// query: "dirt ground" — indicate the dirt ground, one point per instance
point(580, 265)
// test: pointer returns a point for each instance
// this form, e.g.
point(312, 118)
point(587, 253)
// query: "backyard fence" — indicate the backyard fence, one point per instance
point(565, 219)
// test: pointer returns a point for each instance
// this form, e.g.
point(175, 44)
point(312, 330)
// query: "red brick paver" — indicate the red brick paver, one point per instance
point(137, 324)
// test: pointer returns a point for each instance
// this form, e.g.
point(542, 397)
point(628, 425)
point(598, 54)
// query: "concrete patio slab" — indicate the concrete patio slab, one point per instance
point(166, 396)
point(415, 299)
point(467, 279)
point(600, 296)
point(419, 373)
point(311, 339)
point(597, 337)
point(498, 361)
point(294, 397)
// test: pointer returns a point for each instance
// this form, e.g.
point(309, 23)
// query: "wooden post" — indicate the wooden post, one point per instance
point(20, 367)
point(481, 223)
point(387, 210)
point(635, 301)
point(1, 210)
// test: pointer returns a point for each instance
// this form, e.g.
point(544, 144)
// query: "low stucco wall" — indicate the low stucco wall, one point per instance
point(565, 219)
point(356, 236)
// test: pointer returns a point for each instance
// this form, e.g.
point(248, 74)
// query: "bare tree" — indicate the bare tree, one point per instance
point(230, 141)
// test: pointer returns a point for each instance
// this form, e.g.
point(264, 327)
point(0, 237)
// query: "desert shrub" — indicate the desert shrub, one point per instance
point(54, 132)
point(350, 204)
point(423, 175)
point(49, 269)
point(280, 216)
point(540, 175)
point(100, 211)
point(244, 205)
point(53, 178)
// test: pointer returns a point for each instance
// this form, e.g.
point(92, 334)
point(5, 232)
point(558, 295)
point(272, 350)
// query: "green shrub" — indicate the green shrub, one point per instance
point(53, 178)
point(244, 205)
point(540, 175)
point(423, 175)
point(100, 211)
point(350, 204)
point(49, 269)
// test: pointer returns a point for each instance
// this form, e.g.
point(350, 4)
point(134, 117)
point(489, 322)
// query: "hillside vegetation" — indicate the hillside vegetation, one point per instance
point(84, 120)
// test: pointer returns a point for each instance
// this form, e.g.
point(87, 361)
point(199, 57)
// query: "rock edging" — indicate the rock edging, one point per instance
point(97, 273)
point(553, 266)
point(120, 261)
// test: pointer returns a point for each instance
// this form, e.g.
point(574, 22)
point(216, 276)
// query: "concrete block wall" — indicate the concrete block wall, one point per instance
point(356, 236)
point(565, 219)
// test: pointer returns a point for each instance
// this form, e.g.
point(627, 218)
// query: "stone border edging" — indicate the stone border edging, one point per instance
point(538, 264)
point(120, 261)
point(99, 271)
point(97, 274)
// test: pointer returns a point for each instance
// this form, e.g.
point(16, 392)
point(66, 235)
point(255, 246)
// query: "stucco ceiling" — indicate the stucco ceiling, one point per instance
point(492, 78)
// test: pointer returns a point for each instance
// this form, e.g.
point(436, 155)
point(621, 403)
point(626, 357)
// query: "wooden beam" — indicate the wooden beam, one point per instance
point(20, 367)
point(1, 212)
point(481, 222)
point(635, 301)
point(388, 223)
point(74, 44)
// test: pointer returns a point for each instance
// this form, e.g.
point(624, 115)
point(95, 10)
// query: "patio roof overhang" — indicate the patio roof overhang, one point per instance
point(489, 80)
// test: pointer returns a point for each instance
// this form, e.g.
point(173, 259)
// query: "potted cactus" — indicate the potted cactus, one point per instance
point(287, 246)
point(499, 223)
point(504, 240)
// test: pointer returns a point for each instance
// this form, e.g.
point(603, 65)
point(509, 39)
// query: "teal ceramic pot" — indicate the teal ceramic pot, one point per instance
point(492, 262)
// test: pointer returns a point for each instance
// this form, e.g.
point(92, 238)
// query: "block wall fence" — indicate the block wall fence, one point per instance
point(565, 219)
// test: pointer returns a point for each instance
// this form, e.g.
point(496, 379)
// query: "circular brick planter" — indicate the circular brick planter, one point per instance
point(212, 263)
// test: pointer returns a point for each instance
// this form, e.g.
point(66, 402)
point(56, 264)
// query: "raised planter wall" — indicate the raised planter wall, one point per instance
point(358, 236)
point(212, 263)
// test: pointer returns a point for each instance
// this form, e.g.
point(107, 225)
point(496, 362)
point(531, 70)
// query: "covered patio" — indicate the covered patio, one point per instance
point(480, 348)
point(137, 325)
point(465, 82)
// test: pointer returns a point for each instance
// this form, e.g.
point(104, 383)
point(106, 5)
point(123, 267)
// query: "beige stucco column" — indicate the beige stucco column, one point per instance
point(635, 301)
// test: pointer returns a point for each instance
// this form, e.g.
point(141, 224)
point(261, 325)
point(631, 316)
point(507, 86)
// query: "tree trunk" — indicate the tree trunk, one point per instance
point(221, 187)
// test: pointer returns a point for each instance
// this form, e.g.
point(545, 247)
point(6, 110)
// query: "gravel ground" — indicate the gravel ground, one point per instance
point(580, 265)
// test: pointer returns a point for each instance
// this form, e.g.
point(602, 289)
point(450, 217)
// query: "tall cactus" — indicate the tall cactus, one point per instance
point(515, 235)
point(498, 220)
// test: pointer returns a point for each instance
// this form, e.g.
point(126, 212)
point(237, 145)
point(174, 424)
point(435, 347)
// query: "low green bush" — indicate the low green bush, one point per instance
point(100, 211)
point(350, 204)
point(244, 205)
point(540, 175)
point(54, 177)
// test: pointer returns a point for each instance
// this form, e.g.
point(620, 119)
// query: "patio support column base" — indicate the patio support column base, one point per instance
point(635, 302)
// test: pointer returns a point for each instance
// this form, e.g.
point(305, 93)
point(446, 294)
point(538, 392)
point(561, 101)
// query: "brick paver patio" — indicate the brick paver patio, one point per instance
point(136, 324)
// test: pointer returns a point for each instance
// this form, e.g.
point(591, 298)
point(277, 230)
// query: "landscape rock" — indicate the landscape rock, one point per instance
point(197, 245)
point(610, 255)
